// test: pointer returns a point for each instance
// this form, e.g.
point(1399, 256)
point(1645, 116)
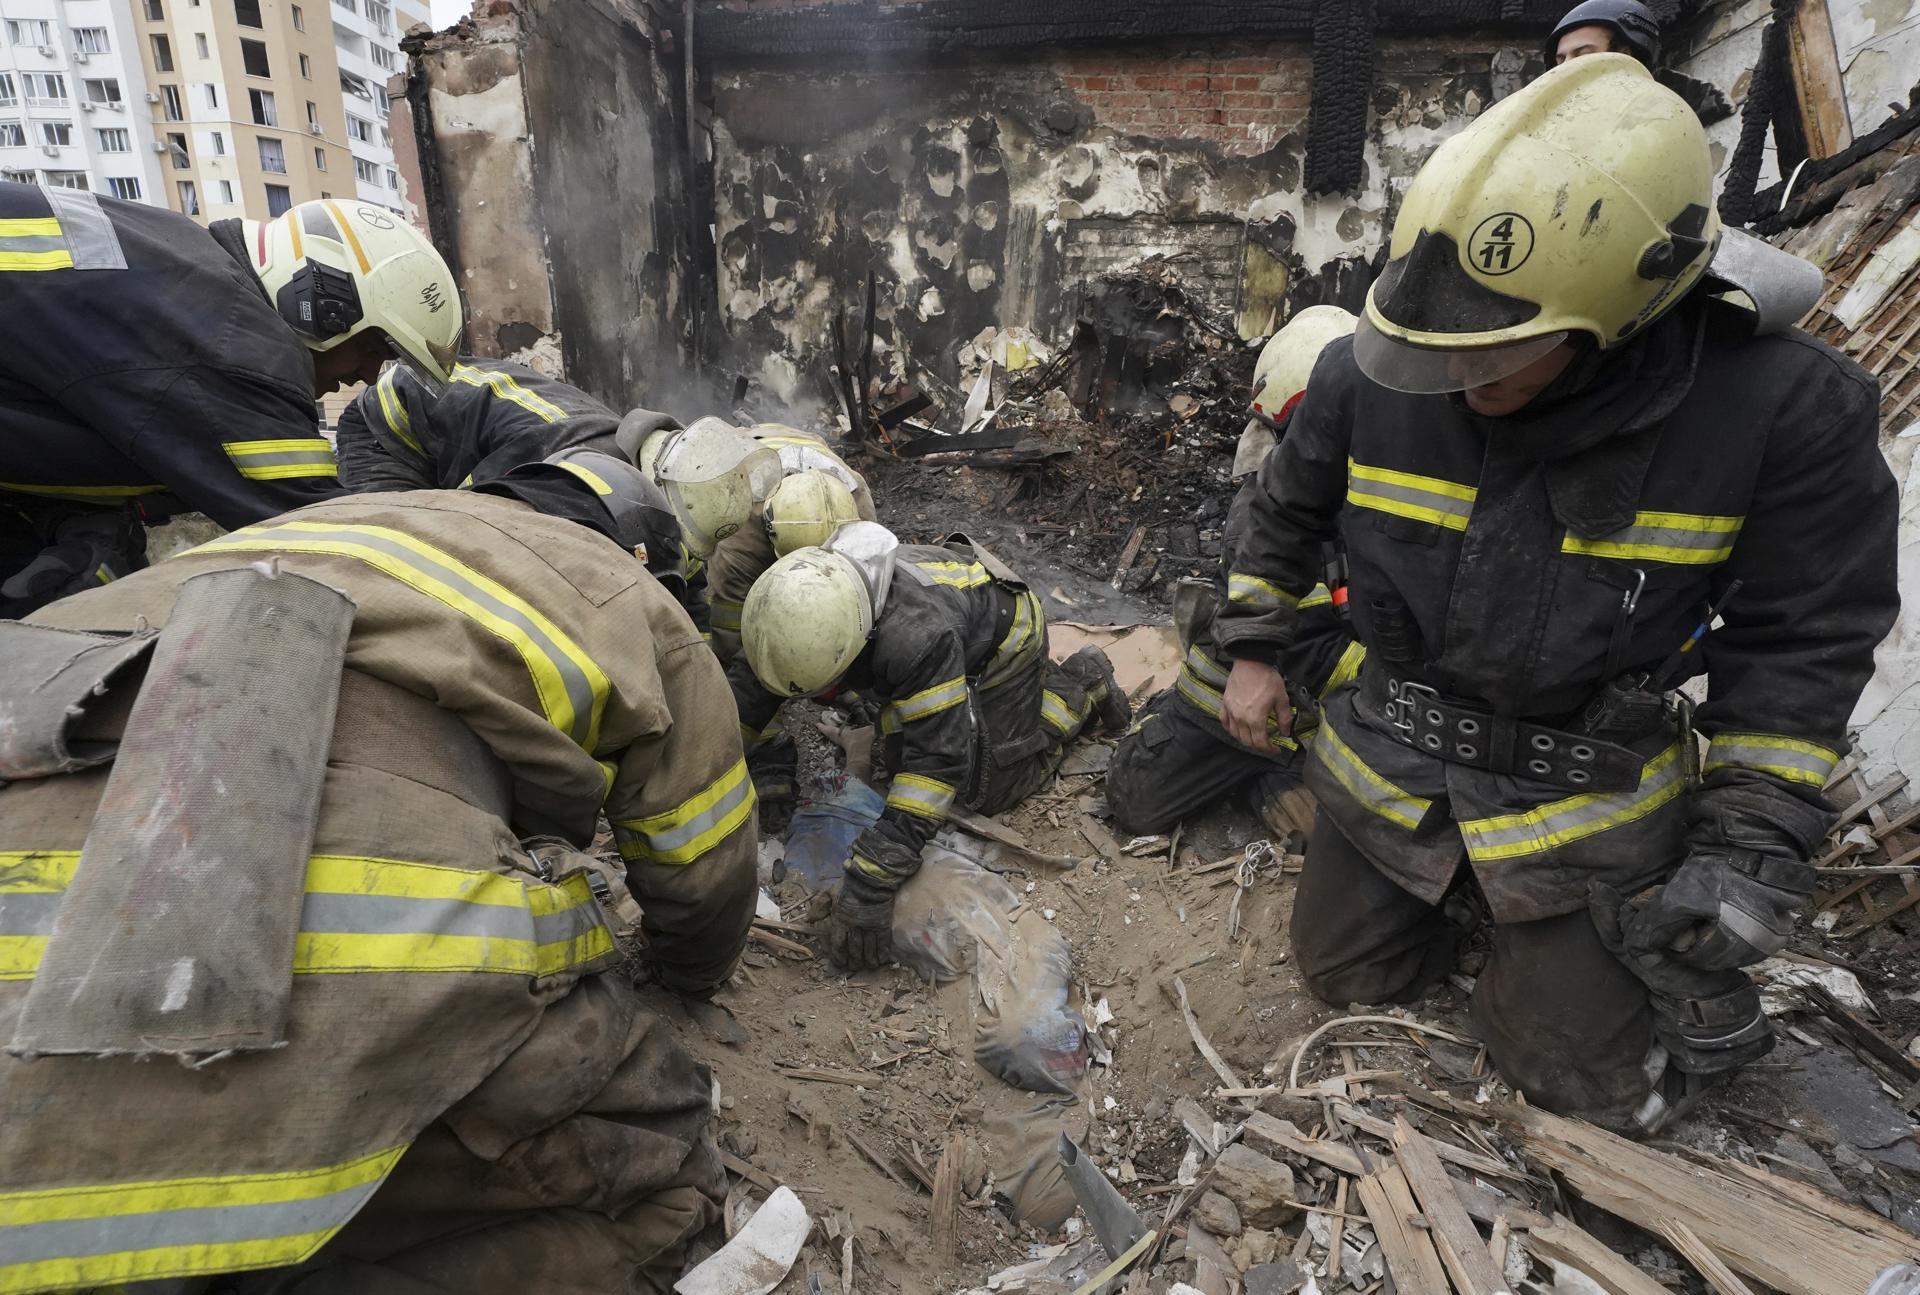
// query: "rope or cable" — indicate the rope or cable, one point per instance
point(1419, 1027)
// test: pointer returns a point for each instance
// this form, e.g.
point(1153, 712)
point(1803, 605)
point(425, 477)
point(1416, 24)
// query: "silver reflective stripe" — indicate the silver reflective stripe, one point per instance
point(90, 235)
point(1784, 757)
point(927, 797)
point(1054, 709)
point(1562, 822)
point(566, 923)
point(322, 457)
point(334, 914)
point(33, 243)
point(1374, 792)
point(932, 701)
point(1255, 592)
point(1198, 693)
point(29, 913)
point(167, 1229)
point(684, 834)
point(1205, 668)
point(1022, 637)
point(1410, 495)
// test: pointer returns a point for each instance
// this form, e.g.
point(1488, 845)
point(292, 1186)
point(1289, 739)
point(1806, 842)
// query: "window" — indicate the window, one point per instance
point(351, 6)
point(12, 136)
point(226, 191)
point(90, 40)
point(325, 194)
point(354, 86)
point(114, 140)
point(247, 13)
point(200, 45)
point(213, 94)
point(56, 133)
point(279, 200)
point(155, 13)
point(47, 89)
point(365, 170)
point(386, 138)
point(360, 129)
point(65, 179)
point(299, 19)
point(124, 187)
point(29, 31)
point(380, 99)
point(261, 102)
point(170, 103)
point(319, 159)
point(383, 56)
point(8, 95)
point(380, 15)
point(219, 144)
point(20, 177)
point(162, 52)
point(177, 149)
point(189, 197)
point(306, 67)
point(273, 158)
point(101, 90)
point(253, 57)
point(393, 179)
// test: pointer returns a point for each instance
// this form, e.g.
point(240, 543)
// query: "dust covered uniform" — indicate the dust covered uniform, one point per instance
point(958, 662)
point(456, 1063)
point(743, 555)
point(1492, 563)
point(142, 370)
point(493, 415)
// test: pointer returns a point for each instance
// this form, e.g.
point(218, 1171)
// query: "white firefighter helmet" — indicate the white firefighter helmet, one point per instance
point(806, 508)
point(713, 474)
point(335, 268)
point(805, 620)
point(1287, 360)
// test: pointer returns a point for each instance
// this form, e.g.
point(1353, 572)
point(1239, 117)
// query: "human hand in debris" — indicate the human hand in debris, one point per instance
point(1255, 705)
point(861, 933)
point(1723, 909)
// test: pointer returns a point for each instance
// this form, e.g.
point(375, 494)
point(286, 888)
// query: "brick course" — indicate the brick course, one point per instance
point(1241, 101)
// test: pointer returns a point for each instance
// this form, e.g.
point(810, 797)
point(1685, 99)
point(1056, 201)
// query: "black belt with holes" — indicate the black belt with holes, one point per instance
point(1463, 733)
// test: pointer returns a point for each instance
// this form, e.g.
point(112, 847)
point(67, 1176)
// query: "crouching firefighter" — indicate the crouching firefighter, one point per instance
point(953, 647)
point(1554, 452)
point(263, 816)
point(149, 366)
point(1179, 755)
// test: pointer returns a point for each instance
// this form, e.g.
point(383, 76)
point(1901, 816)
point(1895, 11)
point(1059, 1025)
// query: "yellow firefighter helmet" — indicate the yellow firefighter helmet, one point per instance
point(806, 508)
point(805, 620)
point(714, 474)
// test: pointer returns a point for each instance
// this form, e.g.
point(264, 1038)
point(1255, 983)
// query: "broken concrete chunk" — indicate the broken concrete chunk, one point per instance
point(1282, 1278)
point(1261, 1186)
point(1218, 1215)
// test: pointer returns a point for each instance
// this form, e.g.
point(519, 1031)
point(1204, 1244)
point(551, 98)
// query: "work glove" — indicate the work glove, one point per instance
point(1725, 908)
point(860, 935)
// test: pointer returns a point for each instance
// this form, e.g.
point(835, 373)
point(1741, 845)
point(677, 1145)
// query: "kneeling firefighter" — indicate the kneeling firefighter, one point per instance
point(263, 816)
point(953, 647)
point(1179, 756)
point(1555, 450)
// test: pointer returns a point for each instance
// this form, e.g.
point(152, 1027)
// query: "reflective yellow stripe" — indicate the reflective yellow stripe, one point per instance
point(1058, 715)
point(571, 688)
point(960, 575)
point(595, 482)
point(694, 826)
point(1374, 792)
point(1407, 494)
point(931, 701)
point(30, 227)
point(724, 613)
point(609, 770)
point(1319, 596)
point(1774, 753)
point(79, 492)
point(792, 442)
point(365, 914)
point(1346, 668)
point(1025, 639)
point(915, 793)
point(1193, 686)
point(305, 456)
point(507, 388)
point(1562, 822)
point(27, 262)
point(99, 1233)
point(1205, 668)
point(872, 869)
point(1692, 539)
point(393, 408)
point(1253, 591)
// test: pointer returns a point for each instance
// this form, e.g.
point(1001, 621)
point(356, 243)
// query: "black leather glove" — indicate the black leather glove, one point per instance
point(861, 933)
point(1725, 908)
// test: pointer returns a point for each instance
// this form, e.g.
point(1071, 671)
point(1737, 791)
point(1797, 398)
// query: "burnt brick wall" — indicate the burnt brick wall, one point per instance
point(1243, 102)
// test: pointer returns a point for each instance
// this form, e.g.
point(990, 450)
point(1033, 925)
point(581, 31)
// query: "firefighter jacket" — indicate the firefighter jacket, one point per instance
point(743, 555)
point(1516, 565)
point(139, 356)
point(949, 627)
point(430, 943)
point(493, 415)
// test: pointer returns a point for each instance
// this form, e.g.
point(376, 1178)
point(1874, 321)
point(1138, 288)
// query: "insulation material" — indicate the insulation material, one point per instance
point(1146, 658)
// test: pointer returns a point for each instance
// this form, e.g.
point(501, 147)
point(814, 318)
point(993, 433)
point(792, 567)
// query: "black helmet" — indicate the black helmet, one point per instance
point(617, 499)
point(1638, 30)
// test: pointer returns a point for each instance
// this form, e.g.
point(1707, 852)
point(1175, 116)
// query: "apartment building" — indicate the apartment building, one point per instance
point(261, 104)
point(73, 92)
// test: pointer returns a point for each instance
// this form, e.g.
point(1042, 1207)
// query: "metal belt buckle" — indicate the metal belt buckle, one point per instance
point(1407, 698)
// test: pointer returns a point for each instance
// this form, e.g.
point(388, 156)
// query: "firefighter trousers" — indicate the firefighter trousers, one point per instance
point(1563, 1019)
point(1177, 760)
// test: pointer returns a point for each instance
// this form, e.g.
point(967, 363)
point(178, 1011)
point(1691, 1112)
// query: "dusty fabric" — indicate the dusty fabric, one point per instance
point(52, 676)
point(1177, 760)
point(177, 930)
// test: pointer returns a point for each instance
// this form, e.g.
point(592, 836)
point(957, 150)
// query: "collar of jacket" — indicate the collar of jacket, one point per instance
point(232, 237)
point(1597, 427)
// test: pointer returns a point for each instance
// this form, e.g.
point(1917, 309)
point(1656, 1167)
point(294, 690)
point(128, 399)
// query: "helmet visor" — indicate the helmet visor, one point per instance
point(1421, 370)
point(432, 371)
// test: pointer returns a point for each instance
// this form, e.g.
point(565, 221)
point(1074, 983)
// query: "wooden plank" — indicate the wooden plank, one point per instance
point(1128, 552)
point(1862, 1033)
point(1785, 1234)
point(1409, 1252)
point(945, 1214)
point(1285, 1136)
point(1563, 1242)
point(1702, 1257)
point(1473, 1160)
point(1466, 1256)
point(822, 1075)
point(1858, 810)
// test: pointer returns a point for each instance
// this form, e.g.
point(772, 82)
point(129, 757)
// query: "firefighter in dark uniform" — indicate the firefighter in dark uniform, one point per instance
point(148, 365)
point(490, 415)
point(1555, 455)
point(1178, 757)
point(1605, 27)
point(953, 647)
